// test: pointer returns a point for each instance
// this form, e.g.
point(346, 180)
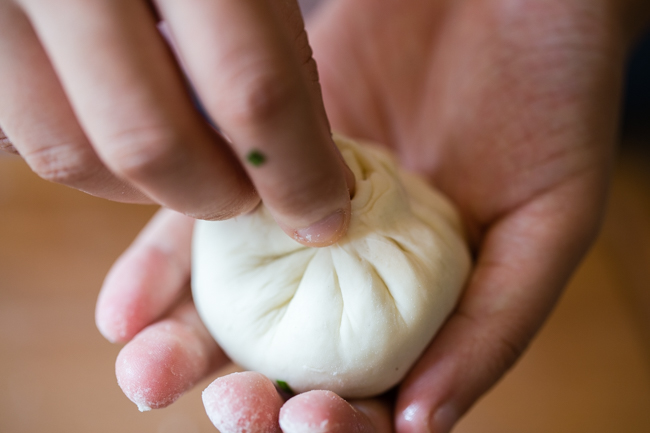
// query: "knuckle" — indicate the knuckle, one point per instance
point(510, 350)
point(500, 348)
point(237, 201)
point(261, 96)
point(67, 164)
point(144, 152)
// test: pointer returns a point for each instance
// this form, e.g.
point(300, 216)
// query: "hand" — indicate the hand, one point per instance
point(92, 97)
point(145, 302)
point(510, 108)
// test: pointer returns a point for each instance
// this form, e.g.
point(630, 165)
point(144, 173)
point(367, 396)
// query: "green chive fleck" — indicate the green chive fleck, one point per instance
point(284, 386)
point(256, 158)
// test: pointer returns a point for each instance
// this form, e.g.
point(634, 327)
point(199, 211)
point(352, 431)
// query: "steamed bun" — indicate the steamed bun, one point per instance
point(352, 317)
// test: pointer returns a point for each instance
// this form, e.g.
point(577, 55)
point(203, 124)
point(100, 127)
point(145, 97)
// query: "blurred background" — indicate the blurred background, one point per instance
point(587, 371)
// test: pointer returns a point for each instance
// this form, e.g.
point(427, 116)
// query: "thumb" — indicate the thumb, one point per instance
point(524, 263)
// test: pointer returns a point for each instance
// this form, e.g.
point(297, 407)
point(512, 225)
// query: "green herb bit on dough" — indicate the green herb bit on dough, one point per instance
point(256, 158)
point(284, 386)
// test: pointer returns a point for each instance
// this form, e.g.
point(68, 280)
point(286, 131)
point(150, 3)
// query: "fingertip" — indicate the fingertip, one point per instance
point(134, 293)
point(115, 317)
point(322, 412)
point(160, 364)
point(322, 233)
point(243, 402)
point(147, 279)
point(420, 416)
point(112, 327)
point(427, 398)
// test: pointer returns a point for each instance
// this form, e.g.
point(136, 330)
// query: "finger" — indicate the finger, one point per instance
point(524, 263)
point(166, 359)
point(379, 412)
point(34, 109)
point(243, 402)
point(323, 412)
point(131, 100)
point(147, 279)
point(251, 65)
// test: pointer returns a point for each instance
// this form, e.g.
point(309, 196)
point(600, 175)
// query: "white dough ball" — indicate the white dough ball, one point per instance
point(352, 317)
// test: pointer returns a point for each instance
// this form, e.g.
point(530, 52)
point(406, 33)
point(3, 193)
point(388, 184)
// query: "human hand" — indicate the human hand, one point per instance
point(510, 108)
point(145, 302)
point(92, 97)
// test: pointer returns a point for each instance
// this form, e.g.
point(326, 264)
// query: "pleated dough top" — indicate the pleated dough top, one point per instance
point(352, 317)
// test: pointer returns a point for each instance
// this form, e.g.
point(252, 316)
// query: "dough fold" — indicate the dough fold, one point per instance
point(352, 317)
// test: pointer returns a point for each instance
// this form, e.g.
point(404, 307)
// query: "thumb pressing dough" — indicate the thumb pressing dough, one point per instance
point(352, 317)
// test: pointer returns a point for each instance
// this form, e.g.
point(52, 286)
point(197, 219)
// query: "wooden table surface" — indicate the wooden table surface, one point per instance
point(587, 371)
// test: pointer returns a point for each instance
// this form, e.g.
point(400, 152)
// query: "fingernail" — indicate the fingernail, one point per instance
point(324, 232)
point(443, 419)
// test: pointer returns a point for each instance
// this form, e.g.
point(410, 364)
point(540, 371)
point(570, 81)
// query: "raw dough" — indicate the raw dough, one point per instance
point(352, 317)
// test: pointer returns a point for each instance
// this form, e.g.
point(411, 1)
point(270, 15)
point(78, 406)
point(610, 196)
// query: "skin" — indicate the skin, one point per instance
point(94, 98)
point(508, 106)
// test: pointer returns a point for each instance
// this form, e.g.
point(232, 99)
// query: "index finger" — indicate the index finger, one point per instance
point(251, 64)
